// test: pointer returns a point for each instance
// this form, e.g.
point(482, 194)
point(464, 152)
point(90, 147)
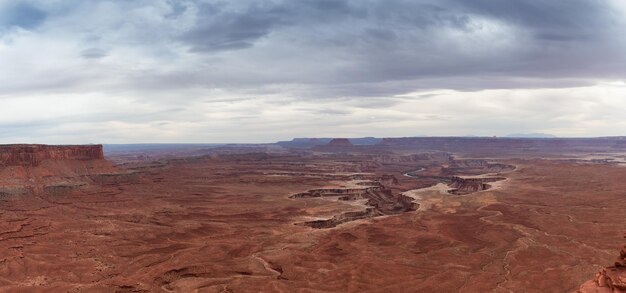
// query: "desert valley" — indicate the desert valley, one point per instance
point(311, 215)
point(313, 146)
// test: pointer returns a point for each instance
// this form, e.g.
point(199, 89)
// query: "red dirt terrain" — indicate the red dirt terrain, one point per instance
point(379, 219)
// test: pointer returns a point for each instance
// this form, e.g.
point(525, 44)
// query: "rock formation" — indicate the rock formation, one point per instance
point(609, 280)
point(55, 170)
point(461, 186)
point(340, 142)
point(33, 155)
point(341, 145)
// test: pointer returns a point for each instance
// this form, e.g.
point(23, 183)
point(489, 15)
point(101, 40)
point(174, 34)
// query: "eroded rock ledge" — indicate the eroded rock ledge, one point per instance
point(34, 154)
point(462, 186)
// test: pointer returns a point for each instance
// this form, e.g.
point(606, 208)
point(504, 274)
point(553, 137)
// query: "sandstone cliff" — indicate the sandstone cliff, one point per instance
point(33, 155)
point(56, 170)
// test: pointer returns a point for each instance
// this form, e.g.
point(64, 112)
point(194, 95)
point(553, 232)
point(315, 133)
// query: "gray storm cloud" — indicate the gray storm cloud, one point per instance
point(267, 70)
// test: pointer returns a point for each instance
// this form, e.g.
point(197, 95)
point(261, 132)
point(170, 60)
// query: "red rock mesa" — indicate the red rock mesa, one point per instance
point(47, 169)
point(340, 142)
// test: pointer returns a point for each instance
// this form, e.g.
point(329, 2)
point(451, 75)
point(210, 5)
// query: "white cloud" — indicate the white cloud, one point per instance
point(152, 71)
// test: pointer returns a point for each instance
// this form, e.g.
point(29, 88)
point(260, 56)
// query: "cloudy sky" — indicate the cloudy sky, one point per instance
point(126, 71)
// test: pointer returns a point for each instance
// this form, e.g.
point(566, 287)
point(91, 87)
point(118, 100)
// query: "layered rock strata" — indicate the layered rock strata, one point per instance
point(56, 170)
point(462, 186)
point(33, 155)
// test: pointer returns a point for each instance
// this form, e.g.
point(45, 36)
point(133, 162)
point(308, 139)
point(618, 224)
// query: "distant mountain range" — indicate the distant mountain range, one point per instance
point(313, 141)
point(308, 142)
point(531, 135)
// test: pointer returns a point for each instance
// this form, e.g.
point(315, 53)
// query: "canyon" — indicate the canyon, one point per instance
point(389, 215)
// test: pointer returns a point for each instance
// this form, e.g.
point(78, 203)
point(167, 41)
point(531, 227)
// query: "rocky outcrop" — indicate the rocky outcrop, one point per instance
point(609, 280)
point(33, 155)
point(461, 186)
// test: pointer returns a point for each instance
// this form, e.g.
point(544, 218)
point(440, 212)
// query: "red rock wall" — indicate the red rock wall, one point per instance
point(33, 155)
